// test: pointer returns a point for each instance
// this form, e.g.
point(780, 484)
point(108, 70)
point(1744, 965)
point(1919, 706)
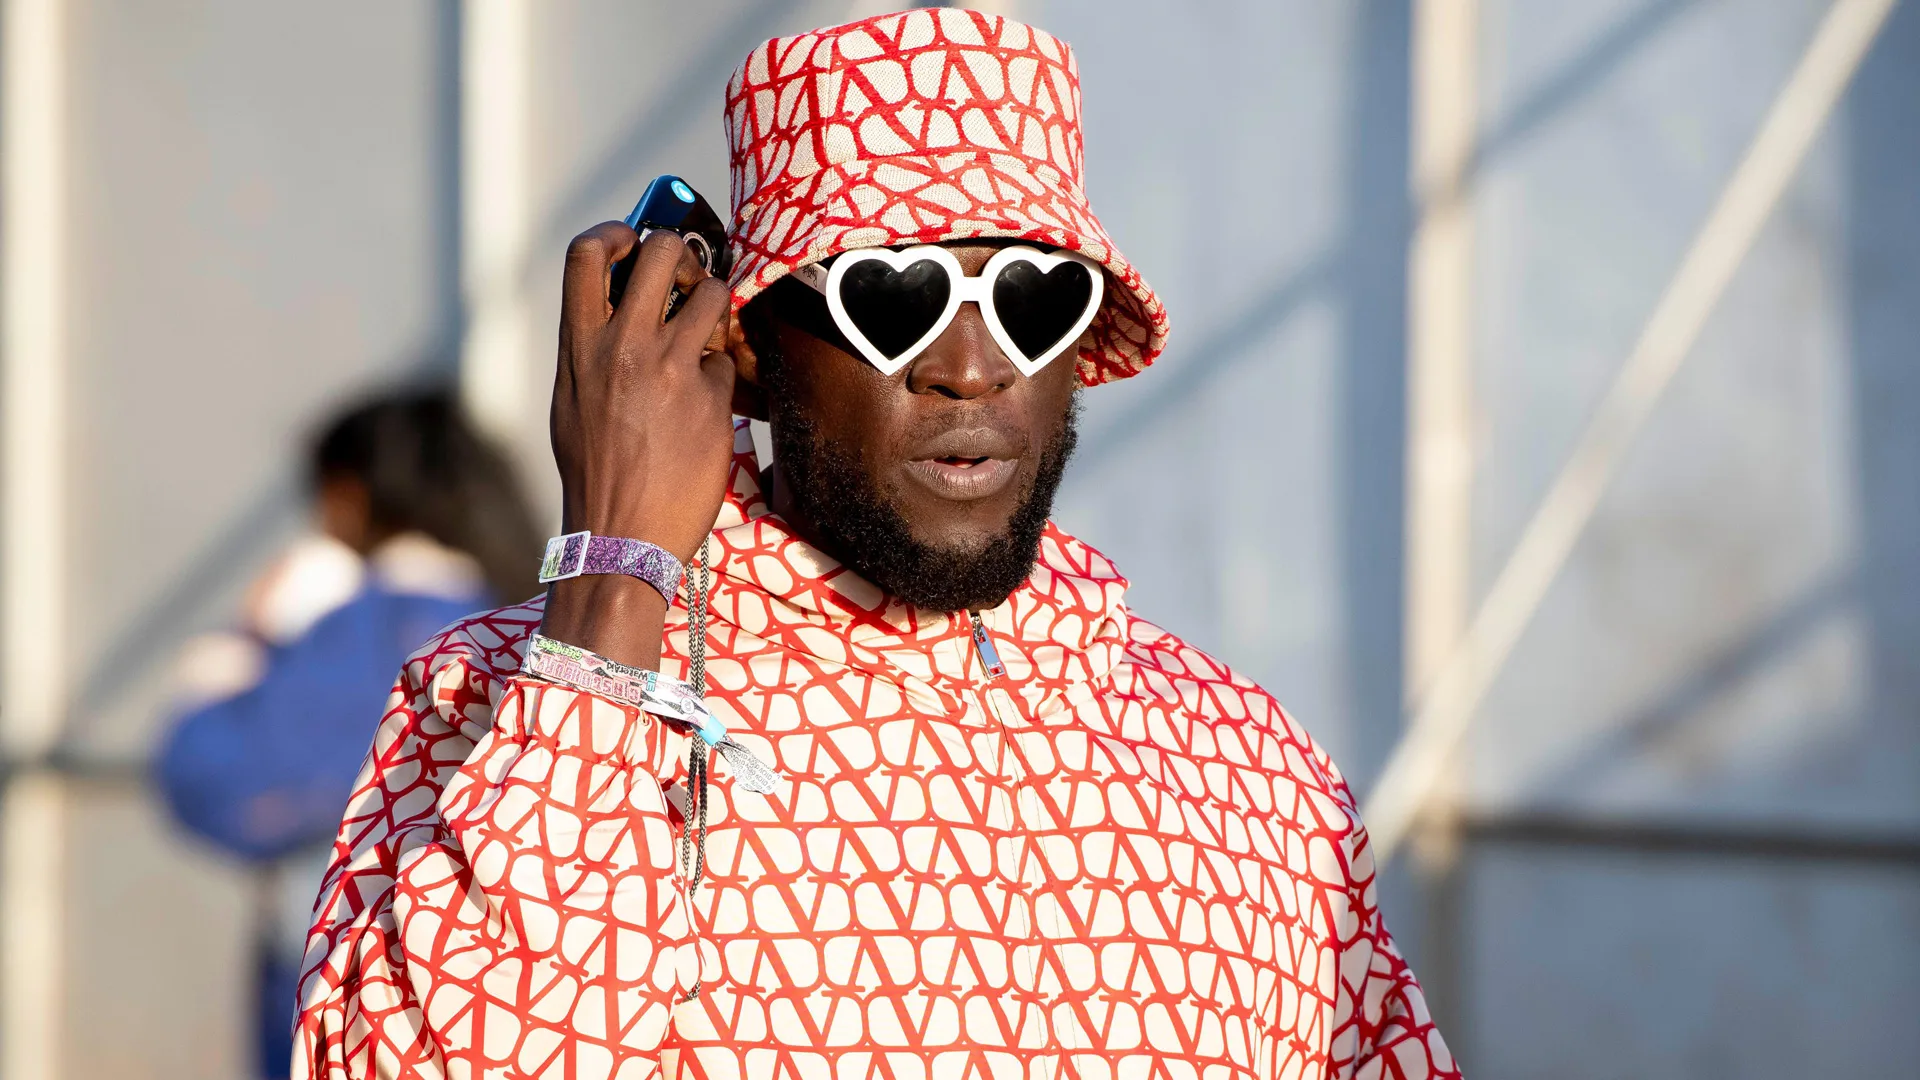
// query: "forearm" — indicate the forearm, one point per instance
point(619, 617)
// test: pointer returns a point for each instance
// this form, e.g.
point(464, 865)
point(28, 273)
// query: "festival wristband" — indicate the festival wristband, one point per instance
point(584, 553)
point(661, 695)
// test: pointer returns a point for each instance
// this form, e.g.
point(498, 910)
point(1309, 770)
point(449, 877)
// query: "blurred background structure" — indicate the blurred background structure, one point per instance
point(1408, 246)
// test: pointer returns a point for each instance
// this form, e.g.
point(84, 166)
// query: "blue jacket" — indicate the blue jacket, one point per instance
point(266, 773)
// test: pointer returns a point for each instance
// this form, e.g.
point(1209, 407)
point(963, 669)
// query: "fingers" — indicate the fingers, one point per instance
point(749, 399)
point(689, 272)
point(701, 316)
point(583, 294)
point(590, 256)
point(654, 269)
point(726, 336)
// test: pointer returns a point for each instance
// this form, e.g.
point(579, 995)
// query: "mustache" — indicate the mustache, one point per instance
point(972, 441)
point(975, 432)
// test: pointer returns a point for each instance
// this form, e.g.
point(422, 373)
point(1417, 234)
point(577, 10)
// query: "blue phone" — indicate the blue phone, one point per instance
point(671, 203)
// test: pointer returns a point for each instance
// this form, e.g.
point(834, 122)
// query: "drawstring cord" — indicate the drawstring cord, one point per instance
point(693, 834)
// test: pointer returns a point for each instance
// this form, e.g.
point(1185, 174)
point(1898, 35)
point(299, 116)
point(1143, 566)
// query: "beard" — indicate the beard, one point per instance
point(861, 523)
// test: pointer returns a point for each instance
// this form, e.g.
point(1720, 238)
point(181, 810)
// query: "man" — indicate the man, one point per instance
point(1017, 832)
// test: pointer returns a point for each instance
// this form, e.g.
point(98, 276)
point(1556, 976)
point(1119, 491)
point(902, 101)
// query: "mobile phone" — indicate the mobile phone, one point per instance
point(670, 203)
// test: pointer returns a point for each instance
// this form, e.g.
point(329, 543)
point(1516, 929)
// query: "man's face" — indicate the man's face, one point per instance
point(933, 482)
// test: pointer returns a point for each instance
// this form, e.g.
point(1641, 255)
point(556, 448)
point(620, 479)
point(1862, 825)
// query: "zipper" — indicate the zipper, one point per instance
point(983, 645)
point(995, 669)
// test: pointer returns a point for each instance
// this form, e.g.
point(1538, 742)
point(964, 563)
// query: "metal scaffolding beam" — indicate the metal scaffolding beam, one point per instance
point(33, 515)
point(497, 219)
point(33, 359)
point(1440, 335)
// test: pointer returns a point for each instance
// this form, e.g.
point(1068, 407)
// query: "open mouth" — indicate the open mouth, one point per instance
point(967, 463)
point(958, 476)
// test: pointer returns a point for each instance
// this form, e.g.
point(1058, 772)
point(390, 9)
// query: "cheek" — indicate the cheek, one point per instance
point(848, 400)
point(1050, 398)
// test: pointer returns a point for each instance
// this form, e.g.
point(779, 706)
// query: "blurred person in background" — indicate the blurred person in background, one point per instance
point(420, 522)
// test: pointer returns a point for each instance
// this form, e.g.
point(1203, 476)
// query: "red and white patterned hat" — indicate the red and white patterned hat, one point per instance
point(920, 127)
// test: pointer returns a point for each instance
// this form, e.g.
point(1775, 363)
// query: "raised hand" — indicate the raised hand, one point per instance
point(642, 426)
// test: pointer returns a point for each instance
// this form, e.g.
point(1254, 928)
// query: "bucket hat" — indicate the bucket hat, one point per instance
point(921, 127)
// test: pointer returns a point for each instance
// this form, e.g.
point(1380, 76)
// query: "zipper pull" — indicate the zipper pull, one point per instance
point(982, 644)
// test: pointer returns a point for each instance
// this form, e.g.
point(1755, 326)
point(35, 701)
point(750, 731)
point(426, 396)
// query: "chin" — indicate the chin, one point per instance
point(962, 539)
point(959, 525)
point(961, 548)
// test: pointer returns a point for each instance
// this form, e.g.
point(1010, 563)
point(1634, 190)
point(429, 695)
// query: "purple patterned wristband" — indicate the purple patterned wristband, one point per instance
point(584, 553)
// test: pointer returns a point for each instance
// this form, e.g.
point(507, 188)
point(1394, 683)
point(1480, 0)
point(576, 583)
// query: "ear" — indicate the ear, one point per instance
point(749, 399)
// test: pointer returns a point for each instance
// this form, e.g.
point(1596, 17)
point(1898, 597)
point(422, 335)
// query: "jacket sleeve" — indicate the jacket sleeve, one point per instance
point(265, 771)
point(503, 897)
point(1390, 1033)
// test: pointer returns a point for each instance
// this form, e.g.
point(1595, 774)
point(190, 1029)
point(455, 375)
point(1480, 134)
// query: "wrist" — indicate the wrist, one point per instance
point(616, 616)
point(635, 526)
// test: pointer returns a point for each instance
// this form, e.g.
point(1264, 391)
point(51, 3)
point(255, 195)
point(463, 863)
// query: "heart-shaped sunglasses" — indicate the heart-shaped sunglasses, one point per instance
point(891, 304)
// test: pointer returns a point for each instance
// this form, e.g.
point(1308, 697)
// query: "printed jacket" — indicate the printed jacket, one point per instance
point(1118, 859)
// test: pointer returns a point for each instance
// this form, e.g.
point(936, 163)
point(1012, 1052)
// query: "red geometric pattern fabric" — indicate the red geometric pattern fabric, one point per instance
point(1120, 859)
point(920, 127)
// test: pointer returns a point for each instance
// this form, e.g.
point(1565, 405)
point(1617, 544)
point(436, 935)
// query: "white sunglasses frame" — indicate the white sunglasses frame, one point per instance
point(961, 289)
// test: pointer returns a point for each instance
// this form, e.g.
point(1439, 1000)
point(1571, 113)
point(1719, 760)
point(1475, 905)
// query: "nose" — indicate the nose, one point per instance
point(964, 362)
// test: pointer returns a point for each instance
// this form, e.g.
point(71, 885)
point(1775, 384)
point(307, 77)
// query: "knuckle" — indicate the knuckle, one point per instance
point(585, 248)
point(596, 243)
point(663, 244)
point(705, 304)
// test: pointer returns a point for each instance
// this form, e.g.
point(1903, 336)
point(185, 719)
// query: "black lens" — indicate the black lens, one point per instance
point(1038, 309)
point(894, 308)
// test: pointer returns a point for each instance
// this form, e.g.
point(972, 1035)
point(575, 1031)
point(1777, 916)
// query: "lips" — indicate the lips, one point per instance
point(963, 480)
point(966, 464)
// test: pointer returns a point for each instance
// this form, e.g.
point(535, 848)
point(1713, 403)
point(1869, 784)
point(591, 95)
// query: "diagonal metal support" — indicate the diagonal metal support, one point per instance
point(1447, 705)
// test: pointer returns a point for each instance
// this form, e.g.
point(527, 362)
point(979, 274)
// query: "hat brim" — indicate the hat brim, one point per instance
point(930, 199)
